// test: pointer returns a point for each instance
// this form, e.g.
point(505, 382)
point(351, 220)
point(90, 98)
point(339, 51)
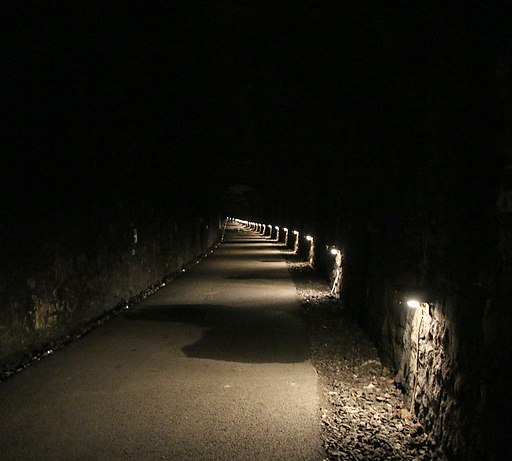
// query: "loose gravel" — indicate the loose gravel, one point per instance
point(364, 415)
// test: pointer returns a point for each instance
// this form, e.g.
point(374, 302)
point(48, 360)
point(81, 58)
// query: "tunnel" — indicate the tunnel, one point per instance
point(140, 141)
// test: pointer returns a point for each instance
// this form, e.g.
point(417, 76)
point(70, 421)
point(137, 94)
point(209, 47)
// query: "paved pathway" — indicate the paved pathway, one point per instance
point(212, 367)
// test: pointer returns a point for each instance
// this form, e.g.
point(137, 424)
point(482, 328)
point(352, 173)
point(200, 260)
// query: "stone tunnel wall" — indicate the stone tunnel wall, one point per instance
point(428, 206)
point(451, 359)
point(451, 240)
point(62, 283)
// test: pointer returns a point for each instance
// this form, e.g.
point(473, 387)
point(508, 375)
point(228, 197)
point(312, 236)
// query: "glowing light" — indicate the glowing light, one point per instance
point(285, 229)
point(334, 251)
point(413, 303)
point(296, 232)
point(309, 238)
point(277, 227)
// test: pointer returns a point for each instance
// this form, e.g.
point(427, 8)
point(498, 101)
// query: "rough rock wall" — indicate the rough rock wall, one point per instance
point(65, 283)
point(451, 357)
point(438, 365)
point(443, 225)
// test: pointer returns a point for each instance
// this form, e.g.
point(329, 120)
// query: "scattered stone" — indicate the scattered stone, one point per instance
point(364, 415)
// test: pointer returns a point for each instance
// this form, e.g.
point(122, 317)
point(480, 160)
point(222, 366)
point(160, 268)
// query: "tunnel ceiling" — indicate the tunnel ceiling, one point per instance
point(130, 99)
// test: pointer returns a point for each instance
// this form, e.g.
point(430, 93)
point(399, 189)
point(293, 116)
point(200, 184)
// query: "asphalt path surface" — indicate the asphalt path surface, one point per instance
point(214, 366)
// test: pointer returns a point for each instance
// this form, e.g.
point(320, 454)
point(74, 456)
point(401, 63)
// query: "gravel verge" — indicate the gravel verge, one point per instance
point(364, 416)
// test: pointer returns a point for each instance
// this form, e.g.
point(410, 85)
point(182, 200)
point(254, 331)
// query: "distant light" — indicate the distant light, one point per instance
point(296, 232)
point(277, 227)
point(413, 304)
point(285, 229)
point(309, 238)
point(334, 251)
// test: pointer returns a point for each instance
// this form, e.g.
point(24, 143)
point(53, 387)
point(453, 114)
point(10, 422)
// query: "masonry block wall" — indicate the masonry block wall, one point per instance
point(53, 287)
point(447, 233)
point(424, 201)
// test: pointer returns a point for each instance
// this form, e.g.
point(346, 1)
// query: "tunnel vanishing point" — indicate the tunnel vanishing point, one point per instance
point(132, 135)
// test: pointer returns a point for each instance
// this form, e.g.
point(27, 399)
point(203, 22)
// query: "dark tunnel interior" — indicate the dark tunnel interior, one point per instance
point(124, 106)
point(382, 126)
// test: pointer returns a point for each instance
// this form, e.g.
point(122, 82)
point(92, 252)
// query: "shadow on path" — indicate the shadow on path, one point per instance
point(231, 334)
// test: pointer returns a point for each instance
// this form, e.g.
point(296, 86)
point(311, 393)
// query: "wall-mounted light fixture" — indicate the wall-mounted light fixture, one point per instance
point(424, 306)
point(417, 300)
point(285, 230)
point(412, 297)
point(135, 241)
point(311, 256)
point(338, 271)
point(296, 243)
